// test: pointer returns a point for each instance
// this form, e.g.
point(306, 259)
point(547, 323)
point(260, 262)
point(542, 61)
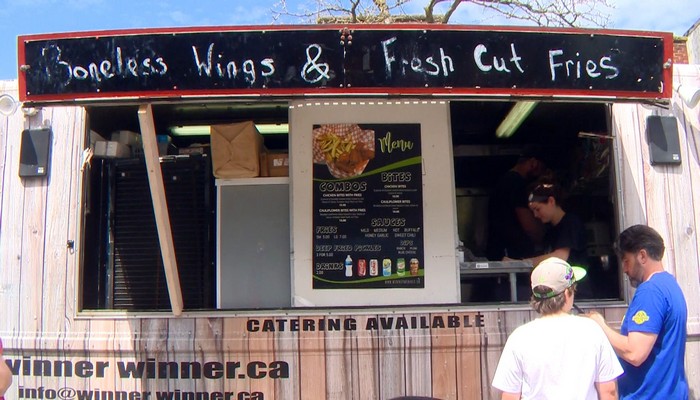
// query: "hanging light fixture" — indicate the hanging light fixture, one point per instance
point(204, 130)
point(515, 118)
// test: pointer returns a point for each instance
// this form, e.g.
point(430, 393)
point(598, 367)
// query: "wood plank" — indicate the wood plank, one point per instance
point(125, 349)
point(181, 349)
point(445, 364)
point(312, 363)
point(262, 348)
point(287, 350)
point(469, 349)
point(75, 328)
point(153, 342)
point(208, 347)
point(625, 129)
point(100, 347)
point(160, 206)
point(32, 247)
point(627, 125)
point(235, 348)
point(11, 214)
point(392, 361)
point(365, 360)
point(692, 357)
point(418, 344)
point(59, 264)
point(493, 338)
point(339, 372)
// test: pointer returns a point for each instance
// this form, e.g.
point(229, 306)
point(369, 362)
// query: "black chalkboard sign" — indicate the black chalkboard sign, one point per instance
point(293, 61)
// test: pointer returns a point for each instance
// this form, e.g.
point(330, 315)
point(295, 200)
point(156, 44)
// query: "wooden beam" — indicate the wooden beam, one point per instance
point(160, 206)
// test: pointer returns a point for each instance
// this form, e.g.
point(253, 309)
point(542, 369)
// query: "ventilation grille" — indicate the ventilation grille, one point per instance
point(138, 279)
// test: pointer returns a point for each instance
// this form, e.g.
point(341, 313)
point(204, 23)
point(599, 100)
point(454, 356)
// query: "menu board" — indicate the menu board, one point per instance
point(367, 206)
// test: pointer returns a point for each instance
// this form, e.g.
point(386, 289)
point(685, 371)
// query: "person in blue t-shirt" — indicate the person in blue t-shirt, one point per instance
point(651, 342)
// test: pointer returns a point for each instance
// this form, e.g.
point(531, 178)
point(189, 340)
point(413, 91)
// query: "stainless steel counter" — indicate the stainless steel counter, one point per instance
point(494, 268)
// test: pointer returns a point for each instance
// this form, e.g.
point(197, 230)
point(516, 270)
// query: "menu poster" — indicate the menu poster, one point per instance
point(367, 206)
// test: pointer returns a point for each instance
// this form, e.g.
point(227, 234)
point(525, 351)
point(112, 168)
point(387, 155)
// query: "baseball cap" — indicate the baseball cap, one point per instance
point(555, 274)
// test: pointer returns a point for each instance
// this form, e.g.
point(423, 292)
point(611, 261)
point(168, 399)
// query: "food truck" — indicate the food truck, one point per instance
point(300, 212)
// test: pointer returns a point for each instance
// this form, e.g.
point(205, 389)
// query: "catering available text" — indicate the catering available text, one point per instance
point(367, 206)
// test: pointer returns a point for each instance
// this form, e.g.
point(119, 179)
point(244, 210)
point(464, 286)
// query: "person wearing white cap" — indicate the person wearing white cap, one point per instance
point(558, 355)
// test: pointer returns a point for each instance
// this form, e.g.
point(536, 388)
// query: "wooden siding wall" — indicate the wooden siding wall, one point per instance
point(38, 292)
point(666, 197)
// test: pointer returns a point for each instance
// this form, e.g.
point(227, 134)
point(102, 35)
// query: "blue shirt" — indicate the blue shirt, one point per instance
point(658, 307)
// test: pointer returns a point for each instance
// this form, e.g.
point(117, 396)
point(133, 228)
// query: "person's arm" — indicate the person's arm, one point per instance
point(532, 226)
point(510, 396)
point(562, 253)
point(5, 376)
point(633, 348)
point(607, 390)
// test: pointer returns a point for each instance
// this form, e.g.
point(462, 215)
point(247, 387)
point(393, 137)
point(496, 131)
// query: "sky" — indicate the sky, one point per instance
point(23, 17)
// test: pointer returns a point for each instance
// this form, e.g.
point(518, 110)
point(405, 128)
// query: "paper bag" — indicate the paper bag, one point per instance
point(235, 150)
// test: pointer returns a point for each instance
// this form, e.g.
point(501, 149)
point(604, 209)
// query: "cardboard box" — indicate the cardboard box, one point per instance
point(111, 149)
point(236, 150)
point(128, 138)
point(277, 164)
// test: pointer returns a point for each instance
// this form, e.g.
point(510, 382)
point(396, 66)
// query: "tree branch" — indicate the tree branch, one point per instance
point(567, 13)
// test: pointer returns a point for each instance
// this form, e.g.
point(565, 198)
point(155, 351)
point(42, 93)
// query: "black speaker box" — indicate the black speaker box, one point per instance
point(662, 136)
point(35, 152)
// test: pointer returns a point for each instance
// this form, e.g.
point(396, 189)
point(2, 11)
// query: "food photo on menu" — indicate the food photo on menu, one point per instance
point(345, 148)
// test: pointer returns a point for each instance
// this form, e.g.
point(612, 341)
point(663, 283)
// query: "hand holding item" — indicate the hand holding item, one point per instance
point(597, 317)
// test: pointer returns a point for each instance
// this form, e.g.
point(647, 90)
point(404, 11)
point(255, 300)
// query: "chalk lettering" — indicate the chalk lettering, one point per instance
point(572, 67)
point(313, 72)
point(230, 69)
point(415, 63)
point(64, 72)
point(499, 63)
point(613, 69)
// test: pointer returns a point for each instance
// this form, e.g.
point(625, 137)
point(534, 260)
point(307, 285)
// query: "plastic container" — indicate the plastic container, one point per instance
point(348, 266)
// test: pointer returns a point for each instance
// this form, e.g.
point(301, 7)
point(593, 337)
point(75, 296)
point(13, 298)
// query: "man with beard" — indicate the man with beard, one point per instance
point(651, 341)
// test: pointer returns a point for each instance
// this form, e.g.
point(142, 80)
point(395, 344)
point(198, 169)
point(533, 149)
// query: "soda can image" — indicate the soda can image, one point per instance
point(413, 266)
point(361, 267)
point(400, 266)
point(386, 267)
point(373, 267)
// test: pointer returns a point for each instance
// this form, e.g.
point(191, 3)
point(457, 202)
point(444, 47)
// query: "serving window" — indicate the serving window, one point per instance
point(122, 266)
point(573, 141)
point(360, 225)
